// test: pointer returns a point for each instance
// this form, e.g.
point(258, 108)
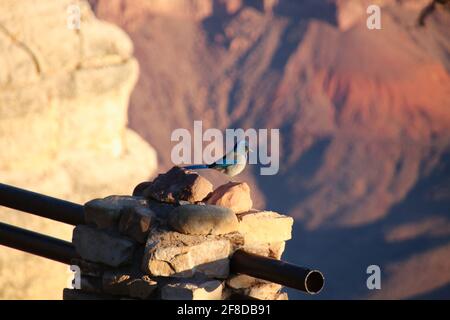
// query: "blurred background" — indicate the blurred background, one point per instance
point(364, 117)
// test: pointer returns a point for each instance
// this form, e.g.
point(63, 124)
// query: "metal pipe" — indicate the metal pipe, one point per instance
point(41, 205)
point(286, 274)
point(36, 243)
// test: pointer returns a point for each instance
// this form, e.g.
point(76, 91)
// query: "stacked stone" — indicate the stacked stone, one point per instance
point(173, 239)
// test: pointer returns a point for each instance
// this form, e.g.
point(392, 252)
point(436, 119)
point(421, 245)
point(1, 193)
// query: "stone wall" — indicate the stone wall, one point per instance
point(173, 239)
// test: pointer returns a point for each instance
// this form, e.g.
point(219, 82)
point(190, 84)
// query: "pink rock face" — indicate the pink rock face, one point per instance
point(233, 195)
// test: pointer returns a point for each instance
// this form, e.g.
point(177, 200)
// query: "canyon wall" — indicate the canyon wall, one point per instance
point(64, 97)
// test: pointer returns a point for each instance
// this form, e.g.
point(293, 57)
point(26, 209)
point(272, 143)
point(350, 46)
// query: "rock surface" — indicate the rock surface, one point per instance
point(209, 290)
point(233, 195)
point(55, 82)
point(91, 284)
point(273, 250)
point(178, 184)
point(263, 291)
point(88, 268)
point(265, 227)
point(241, 281)
point(256, 288)
point(126, 283)
point(105, 213)
point(162, 210)
point(136, 222)
point(99, 246)
point(281, 296)
point(63, 124)
point(174, 254)
point(203, 220)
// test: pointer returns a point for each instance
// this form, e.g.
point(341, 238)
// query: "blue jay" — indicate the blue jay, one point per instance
point(231, 164)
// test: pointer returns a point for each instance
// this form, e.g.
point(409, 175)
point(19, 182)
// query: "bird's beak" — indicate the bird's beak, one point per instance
point(249, 149)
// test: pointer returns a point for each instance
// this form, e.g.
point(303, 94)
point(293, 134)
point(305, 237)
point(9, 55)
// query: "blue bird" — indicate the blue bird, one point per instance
point(231, 164)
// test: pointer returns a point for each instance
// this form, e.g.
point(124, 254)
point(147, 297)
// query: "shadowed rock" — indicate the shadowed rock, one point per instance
point(136, 222)
point(177, 185)
point(99, 246)
point(127, 283)
point(209, 290)
point(105, 213)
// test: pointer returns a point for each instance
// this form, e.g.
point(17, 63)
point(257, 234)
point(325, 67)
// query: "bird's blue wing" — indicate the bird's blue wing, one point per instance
point(224, 162)
point(221, 165)
point(196, 166)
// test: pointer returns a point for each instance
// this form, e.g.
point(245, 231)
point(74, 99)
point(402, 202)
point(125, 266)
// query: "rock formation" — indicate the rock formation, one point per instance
point(64, 96)
point(131, 247)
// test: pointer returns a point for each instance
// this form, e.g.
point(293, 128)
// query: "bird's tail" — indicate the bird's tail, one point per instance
point(196, 166)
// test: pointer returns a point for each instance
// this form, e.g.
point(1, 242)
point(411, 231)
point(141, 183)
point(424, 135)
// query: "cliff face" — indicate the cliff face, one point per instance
point(363, 114)
point(63, 123)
